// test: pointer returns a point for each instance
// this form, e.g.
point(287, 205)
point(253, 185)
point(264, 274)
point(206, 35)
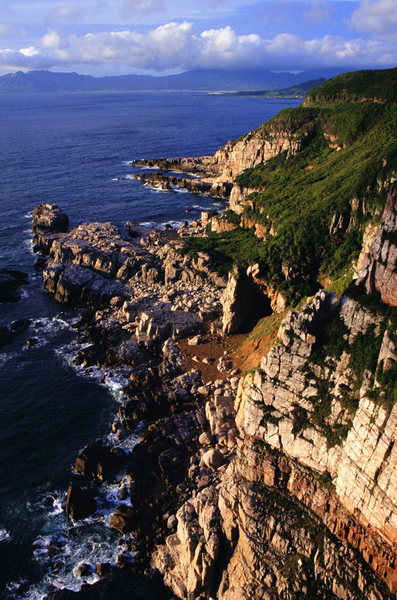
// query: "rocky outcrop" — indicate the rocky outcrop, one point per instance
point(79, 503)
point(306, 506)
point(216, 174)
point(378, 264)
point(48, 221)
point(170, 183)
point(49, 218)
point(77, 285)
point(279, 486)
point(146, 285)
point(252, 149)
point(194, 165)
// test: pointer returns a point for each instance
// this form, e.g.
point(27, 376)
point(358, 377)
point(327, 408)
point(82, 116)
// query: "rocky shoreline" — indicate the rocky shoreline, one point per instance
point(139, 296)
point(234, 490)
point(280, 482)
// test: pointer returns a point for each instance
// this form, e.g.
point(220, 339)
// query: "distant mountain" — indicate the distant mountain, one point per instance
point(199, 80)
point(296, 91)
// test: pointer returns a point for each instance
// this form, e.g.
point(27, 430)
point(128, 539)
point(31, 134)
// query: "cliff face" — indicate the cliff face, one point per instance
point(254, 149)
point(217, 173)
point(378, 262)
point(306, 505)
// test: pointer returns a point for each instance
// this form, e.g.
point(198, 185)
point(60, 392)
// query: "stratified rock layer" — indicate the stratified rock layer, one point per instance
point(378, 264)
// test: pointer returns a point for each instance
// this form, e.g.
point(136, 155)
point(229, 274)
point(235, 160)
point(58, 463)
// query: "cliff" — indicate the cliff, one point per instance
point(305, 504)
point(279, 483)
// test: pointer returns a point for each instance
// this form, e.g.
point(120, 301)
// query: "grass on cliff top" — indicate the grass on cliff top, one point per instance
point(299, 196)
point(357, 85)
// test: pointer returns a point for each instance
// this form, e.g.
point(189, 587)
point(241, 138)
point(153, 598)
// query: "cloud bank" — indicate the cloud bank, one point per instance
point(378, 17)
point(176, 46)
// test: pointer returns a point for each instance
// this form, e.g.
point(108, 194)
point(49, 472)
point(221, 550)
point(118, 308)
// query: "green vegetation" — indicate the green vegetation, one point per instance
point(295, 91)
point(364, 352)
point(300, 417)
point(230, 217)
point(330, 340)
point(267, 326)
point(239, 247)
point(302, 195)
point(388, 382)
point(317, 202)
point(358, 85)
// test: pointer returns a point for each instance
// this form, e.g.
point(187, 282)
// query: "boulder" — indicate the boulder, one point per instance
point(49, 218)
point(83, 569)
point(122, 519)
point(213, 458)
point(97, 460)
point(104, 569)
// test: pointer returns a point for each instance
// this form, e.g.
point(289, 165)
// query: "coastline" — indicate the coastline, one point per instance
point(157, 379)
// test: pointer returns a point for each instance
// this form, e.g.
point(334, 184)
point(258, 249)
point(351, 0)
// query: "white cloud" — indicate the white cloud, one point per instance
point(378, 17)
point(176, 46)
point(67, 13)
point(51, 39)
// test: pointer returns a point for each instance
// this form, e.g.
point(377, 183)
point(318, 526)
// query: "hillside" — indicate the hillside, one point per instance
point(308, 183)
point(296, 91)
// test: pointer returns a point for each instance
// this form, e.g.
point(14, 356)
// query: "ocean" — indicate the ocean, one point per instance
point(74, 150)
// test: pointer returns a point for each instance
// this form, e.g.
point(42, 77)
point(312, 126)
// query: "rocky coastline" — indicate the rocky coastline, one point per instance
point(275, 480)
point(138, 297)
point(231, 483)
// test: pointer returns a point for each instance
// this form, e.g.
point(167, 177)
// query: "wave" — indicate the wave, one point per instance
point(4, 534)
point(6, 356)
point(174, 224)
point(149, 224)
point(180, 190)
point(29, 243)
point(199, 207)
point(68, 551)
point(44, 331)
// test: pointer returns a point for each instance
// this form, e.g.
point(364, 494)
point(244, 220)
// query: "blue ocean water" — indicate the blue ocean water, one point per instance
point(74, 150)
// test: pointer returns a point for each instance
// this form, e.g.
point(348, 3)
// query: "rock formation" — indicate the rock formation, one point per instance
point(280, 484)
point(378, 263)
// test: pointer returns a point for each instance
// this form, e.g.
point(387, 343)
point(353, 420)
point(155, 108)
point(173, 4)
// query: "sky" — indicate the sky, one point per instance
point(112, 37)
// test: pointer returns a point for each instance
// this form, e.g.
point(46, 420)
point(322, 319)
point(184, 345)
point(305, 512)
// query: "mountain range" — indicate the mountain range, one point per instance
point(196, 80)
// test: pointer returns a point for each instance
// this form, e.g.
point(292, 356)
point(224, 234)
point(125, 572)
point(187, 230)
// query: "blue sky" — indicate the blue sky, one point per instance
point(168, 36)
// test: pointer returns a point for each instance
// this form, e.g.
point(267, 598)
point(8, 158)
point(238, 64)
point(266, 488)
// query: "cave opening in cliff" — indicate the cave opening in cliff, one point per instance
point(258, 307)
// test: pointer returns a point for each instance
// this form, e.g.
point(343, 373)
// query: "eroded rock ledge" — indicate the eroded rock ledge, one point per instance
point(216, 174)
